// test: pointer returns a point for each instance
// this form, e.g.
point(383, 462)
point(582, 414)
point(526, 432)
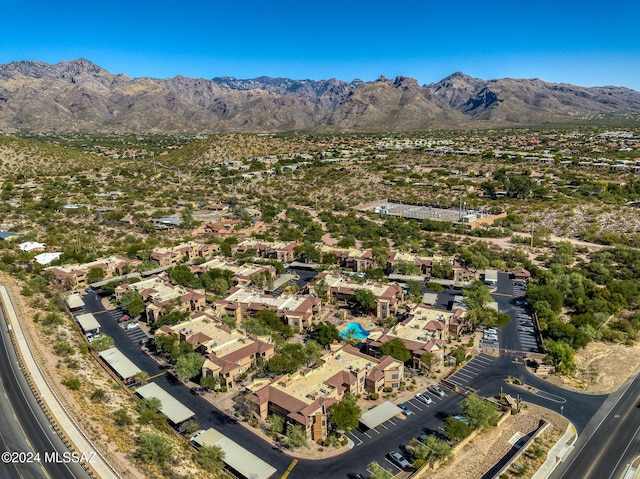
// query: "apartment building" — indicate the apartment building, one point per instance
point(75, 276)
point(340, 289)
point(242, 274)
point(295, 310)
point(358, 260)
point(161, 296)
point(228, 352)
point(424, 329)
point(183, 252)
point(279, 250)
point(305, 397)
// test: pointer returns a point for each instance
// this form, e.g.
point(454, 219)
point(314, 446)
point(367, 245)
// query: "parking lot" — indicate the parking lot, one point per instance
point(398, 431)
point(470, 371)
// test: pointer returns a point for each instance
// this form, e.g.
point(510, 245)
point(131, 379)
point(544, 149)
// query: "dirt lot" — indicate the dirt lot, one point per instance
point(601, 368)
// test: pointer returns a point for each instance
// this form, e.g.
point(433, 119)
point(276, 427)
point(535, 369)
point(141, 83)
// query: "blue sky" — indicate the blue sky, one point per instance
point(585, 43)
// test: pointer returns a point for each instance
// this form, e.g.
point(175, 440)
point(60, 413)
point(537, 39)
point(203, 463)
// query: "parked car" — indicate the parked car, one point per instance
point(132, 325)
point(424, 399)
point(405, 409)
point(525, 329)
point(124, 318)
point(399, 460)
point(437, 390)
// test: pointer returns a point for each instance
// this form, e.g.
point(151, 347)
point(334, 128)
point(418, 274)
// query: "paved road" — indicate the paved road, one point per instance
point(24, 428)
point(610, 441)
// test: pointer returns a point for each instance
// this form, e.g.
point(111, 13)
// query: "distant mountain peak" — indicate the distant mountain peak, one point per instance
point(80, 95)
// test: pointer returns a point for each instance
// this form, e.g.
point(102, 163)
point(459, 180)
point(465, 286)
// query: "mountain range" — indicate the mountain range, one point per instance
point(78, 95)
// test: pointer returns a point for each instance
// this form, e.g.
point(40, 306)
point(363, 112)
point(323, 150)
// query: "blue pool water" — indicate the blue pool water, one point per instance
point(354, 330)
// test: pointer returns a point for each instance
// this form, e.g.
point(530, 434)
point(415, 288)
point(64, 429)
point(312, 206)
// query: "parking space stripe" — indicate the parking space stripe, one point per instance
point(393, 464)
point(462, 372)
point(413, 404)
point(474, 367)
point(392, 422)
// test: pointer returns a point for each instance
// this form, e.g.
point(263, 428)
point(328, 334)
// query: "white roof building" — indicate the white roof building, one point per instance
point(30, 246)
point(176, 412)
point(236, 457)
point(47, 258)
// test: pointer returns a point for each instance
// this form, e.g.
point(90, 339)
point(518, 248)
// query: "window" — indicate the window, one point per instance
point(394, 376)
point(394, 385)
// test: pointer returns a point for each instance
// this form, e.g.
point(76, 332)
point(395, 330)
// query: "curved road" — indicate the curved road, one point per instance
point(24, 428)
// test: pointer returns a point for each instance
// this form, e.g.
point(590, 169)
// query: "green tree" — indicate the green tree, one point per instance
point(414, 288)
point(189, 366)
point(276, 424)
point(476, 295)
point(481, 414)
point(296, 436)
point(427, 359)
point(456, 429)
point(154, 448)
point(312, 352)
point(438, 449)
point(121, 417)
point(561, 355)
point(102, 342)
point(210, 381)
point(396, 349)
point(345, 415)
point(288, 360)
point(209, 458)
point(132, 302)
point(362, 301)
point(95, 274)
point(325, 333)
point(376, 471)
point(183, 276)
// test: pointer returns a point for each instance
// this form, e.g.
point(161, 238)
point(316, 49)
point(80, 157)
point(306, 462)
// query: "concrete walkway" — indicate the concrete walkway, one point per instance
point(557, 453)
point(64, 424)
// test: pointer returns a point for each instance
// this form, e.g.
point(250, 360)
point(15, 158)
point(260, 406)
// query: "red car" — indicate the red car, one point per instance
point(124, 319)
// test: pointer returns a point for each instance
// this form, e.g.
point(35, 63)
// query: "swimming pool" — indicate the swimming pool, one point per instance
point(354, 330)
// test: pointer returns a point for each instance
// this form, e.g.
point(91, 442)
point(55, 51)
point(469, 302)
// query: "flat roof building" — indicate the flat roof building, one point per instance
point(176, 412)
point(121, 364)
point(236, 457)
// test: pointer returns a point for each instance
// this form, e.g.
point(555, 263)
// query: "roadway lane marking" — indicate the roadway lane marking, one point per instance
point(623, 453)
point(290, 468)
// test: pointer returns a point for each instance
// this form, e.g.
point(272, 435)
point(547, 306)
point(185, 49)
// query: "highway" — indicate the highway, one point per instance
point(610, 440)
point(24, 428)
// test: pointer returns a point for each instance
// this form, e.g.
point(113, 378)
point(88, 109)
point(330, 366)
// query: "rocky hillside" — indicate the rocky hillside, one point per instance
point(79, 95)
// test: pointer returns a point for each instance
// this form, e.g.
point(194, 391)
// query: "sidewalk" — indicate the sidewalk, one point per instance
point(557, 453)
point(60, 418)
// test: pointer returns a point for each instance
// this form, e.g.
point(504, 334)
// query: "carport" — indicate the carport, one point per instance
point(88, 323)
point(236, 457)
point(379, 414)
point(176, 412)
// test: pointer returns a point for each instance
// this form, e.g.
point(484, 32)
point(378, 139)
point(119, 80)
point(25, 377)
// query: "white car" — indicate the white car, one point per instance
point(424, 399)
point(132, 325)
